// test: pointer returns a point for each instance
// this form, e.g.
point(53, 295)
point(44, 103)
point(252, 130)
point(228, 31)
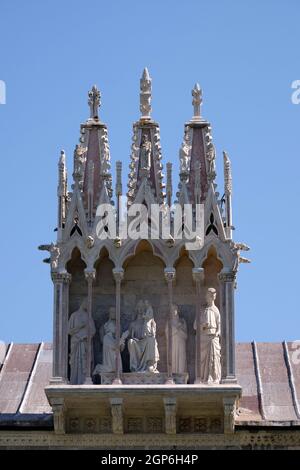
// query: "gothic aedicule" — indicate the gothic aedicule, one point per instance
point(144, 342)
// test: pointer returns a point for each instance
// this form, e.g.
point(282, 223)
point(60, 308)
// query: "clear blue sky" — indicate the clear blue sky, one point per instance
point(244, 54)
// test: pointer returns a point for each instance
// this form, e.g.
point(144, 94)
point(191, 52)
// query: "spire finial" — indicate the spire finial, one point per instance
point(145, 94)
point(94, 102)
point(227, 174)
point(197, 101)
point(62, 158)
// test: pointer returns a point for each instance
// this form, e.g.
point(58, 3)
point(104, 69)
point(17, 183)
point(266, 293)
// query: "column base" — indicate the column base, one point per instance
point(229, 380)
point(58, 381)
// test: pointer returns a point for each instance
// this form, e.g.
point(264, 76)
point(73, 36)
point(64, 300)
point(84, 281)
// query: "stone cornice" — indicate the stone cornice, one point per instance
point(239, 439)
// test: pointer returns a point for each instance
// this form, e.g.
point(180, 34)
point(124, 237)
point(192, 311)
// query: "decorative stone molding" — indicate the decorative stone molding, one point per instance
point(58, 408)
point(170, 415)
point(147, 378)
point(260, 439)
point(227, 174)
point(118, 274)
point(227, 276)
point(117, 415)
point(229, 414)
point(170, 274)
point(61, 277)
point(90, 275)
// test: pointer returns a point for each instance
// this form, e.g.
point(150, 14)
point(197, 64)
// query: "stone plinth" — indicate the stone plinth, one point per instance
point(144, 408)
point(139, 378)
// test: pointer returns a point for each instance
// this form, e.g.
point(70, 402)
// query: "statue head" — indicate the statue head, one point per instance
point(84, 304)
point(174, 310)
point(112, 313)
point(144, 138)
point(139, 308)
point(148, 311)
point(211, 295)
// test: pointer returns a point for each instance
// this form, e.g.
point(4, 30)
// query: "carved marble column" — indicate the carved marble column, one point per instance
point(118, 275)
point(61, 281)
point(90, 276)
point(116, 406)
point(198, 276)
point(170, 415)
point(170, 275)
point(227, 281)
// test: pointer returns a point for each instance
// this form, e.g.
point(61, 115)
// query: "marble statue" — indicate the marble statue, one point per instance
point(79, 160)
point(105, 153)
point(184, 152)
point(78, 330)
point(110, 347)
point(142, 344)
point(197, 100)
point(145, 94)
point(145, 153)
point(211, 160)
point(179, 337)
point(94, 101)
point(210, 330)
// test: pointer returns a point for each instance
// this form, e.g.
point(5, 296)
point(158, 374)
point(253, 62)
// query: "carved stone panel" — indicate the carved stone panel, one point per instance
point(134, 425)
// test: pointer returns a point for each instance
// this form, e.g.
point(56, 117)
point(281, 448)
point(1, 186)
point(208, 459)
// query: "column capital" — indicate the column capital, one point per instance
point(58, 408)
point(227, 276)
point(90, 274)
point(61, 277)
point(198, 274)
point(170, 274)
point(229, 406)
point(118, 274)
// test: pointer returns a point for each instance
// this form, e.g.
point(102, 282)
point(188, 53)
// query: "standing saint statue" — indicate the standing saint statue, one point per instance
point(94, 101)
point(210, 329)
point(145, 153)
point(179, 337)
point(142, 345)
point(78, 330)
point(110, 347)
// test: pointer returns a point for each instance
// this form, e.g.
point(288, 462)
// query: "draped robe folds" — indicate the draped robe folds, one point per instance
point(109, 348)
point(210, 345)
point(142, 345)
point(179, 337)
point(78, 331)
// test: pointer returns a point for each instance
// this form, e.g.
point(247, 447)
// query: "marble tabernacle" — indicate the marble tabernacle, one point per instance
point(144, 326)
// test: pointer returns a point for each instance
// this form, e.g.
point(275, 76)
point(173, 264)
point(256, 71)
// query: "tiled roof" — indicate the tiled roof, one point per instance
point(268, 373)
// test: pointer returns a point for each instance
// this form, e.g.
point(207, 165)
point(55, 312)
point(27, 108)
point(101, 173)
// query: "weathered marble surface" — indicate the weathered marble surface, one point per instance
point(141, 378)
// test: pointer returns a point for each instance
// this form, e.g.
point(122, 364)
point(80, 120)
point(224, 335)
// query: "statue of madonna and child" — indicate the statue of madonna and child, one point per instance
point(141, 342)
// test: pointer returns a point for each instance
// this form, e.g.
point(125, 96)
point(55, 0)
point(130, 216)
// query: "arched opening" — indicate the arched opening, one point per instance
point(184, 295)
point(78, 287)
point(212, 266)
point(104, 297)
point(144, 280)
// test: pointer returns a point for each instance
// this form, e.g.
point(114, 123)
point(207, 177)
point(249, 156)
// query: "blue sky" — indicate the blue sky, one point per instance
point(244, 54)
